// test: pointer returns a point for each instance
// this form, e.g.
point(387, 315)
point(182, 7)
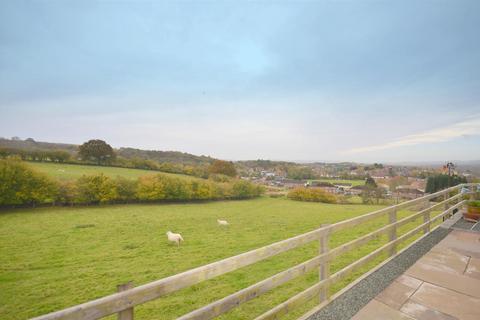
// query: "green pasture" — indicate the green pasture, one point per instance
point(53, 258)
point(72, 171)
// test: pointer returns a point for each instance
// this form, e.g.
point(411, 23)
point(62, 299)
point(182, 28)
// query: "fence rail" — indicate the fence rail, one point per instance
point(126, 299)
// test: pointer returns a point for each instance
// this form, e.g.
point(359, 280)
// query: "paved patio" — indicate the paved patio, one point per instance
point(444, 284)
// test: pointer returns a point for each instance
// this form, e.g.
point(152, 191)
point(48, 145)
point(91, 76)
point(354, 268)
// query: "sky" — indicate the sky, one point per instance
point(365, 81)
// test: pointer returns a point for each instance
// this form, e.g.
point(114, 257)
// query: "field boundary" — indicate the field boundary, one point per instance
point(128, 299)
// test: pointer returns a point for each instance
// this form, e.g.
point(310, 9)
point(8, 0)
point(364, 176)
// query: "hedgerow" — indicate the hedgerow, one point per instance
point(311, 194)
point(22, 185)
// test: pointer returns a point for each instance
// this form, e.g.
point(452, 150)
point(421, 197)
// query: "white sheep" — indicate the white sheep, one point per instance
point(174, 237)
point(222, 222)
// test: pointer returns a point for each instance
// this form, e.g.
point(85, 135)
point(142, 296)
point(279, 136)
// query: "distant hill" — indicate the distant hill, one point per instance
point(129, 153)
point(264, 164)
point(164, 156)
point(472, 166)
point(30, 144)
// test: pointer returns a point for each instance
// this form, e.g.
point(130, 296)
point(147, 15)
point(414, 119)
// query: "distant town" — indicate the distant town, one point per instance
point(349, 179)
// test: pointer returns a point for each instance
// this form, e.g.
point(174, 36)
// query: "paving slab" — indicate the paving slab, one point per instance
point(409, 281)
point(376, 310)
point(448, 301)
point(395, 295)
point(446, 261)
point(473, 268)
point(463, 242)
point(443, 276)
point(420, 312)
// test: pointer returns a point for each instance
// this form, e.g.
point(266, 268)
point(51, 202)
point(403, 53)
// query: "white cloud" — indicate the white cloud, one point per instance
point(469, 126)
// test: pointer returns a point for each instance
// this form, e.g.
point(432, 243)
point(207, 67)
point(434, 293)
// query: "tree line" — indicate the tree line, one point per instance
point(443, 181)
point(98, 152)
point(60, 156)
point(20, 185)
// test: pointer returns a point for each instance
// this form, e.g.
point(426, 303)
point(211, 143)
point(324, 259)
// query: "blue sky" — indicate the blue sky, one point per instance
point(287, 80)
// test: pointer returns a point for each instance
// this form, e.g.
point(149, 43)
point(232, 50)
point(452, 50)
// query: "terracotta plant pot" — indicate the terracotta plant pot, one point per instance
point(473, 213)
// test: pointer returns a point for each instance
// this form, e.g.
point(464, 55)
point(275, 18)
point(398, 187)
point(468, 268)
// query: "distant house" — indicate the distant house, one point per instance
point(290, 183)
point(416, 183)
point(342, 184)
point(380, 177)
point(383, 185)
point(408, 192)
point(321, 184)
point(325, 186)
point(267, 174)
point(356, 190)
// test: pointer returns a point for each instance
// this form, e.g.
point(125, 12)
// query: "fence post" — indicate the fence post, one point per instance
point(392, 218)
point(445, 198)
point(426, 218)
point(126, 314)
point(445, 206)
point(323, 272)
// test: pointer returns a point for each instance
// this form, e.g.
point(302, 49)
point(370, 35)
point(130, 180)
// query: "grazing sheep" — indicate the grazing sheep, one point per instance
point(222, 222)
point(174, 237)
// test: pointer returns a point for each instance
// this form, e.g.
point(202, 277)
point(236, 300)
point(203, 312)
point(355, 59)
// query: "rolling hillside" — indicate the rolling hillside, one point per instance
point(128, 153)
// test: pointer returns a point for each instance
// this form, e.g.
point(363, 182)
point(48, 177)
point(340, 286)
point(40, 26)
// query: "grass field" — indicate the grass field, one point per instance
point(53, 258)
point(72, 171)
point(352, 182)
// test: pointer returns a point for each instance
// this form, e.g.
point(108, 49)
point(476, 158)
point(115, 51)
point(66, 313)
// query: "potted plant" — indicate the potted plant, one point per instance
point(473, 211)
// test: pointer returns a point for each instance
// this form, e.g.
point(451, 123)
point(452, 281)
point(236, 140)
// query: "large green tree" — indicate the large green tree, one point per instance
point(96, 150)
point(370, 183)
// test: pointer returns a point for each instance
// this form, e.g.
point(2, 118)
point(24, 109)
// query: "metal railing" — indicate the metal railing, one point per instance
point(127, 298)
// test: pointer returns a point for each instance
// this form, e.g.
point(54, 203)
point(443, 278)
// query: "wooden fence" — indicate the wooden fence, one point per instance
point(127, 298)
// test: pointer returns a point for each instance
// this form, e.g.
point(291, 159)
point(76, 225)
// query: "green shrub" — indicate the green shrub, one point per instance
point(311, 194)
point(96, 189)
point(242, 189)
point(475, 203)
point(126, 189)
point(217, 177)
point(67, 192)
point(200, 190)
point(20, 184)
point(161, 187)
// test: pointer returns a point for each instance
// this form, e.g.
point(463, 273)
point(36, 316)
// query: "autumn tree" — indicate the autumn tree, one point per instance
point(223, 167)
point(299, 173)
point(96, 150)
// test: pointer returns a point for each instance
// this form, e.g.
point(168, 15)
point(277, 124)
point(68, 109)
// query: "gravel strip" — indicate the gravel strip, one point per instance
point(476, 227)
point(348, 304)
point(463, 224)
